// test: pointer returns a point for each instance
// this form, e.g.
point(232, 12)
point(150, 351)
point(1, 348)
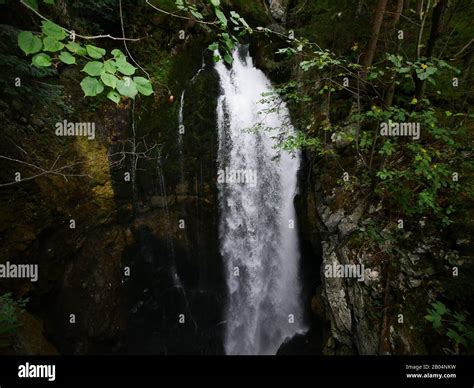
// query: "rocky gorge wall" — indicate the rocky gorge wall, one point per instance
point(114, 264)
point(146, 251)
point(387, 303)
point(384, 313)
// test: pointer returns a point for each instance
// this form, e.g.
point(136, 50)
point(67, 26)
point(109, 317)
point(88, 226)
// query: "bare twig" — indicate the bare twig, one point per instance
point(462, 50)
point(53, 170)
point(125, 41)
point(423, 17)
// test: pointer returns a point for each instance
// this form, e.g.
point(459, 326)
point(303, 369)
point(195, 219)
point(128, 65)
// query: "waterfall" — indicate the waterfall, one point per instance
point(203, 65)
point(181, 130)
point(257, 231)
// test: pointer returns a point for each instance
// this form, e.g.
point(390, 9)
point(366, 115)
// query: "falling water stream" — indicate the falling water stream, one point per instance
point(258, 235)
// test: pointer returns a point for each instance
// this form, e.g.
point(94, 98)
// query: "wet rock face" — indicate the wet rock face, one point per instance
point(80, 268)
point(310, 342)
point(174, 298)
point(347, 301)
point(353, 308)
point(345, 298)
point(176, 294)
point(90, 288)
point(301, 344)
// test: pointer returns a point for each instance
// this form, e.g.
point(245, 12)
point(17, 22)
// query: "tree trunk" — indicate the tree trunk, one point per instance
point(419, 7)
point(390, 92)
point(436, 27)
point(397, 12)
point(378, 19)
point(467, 66)
point(439, 11)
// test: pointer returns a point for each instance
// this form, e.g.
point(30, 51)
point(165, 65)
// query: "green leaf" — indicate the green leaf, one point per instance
point(41, 60)
point(66, 58)
point(53, 30)
point(434, 318)
point(125, 68)
point(436, 321)
point(216, 3)
point(220, 15)
point(126, 87)
point(32, 3)
point(228, 58)
point(110, 67)
point(439, 307)
point(93, 68)
point(120, 60)
point(196, 14)
point(51, 2)
point(52, 44)
point(228, 41)
point(95, 52)
point(456, 337)
point(29, 43)
point(92, 86)
point(76, 48)
point(213, 46)
point(114, 96)
point(109, 80)
point(143, 85)
point(460, 327)
point(117, 53)
point(459, 317)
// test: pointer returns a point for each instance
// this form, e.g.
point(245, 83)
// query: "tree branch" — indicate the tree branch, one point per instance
point(179, 16)
point(108, 36)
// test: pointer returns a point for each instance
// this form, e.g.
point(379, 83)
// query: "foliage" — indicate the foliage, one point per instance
point(33, 79)
point(414, 176)
point(227, 26)
point(111, 74)
point(452, 324)
point(300, 140)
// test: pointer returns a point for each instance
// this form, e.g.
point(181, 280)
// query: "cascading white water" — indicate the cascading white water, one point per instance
point(258, 233)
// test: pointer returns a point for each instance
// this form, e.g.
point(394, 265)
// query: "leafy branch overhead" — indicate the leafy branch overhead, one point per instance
point(110, 74)
point(227, 25)
point(227, 40)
